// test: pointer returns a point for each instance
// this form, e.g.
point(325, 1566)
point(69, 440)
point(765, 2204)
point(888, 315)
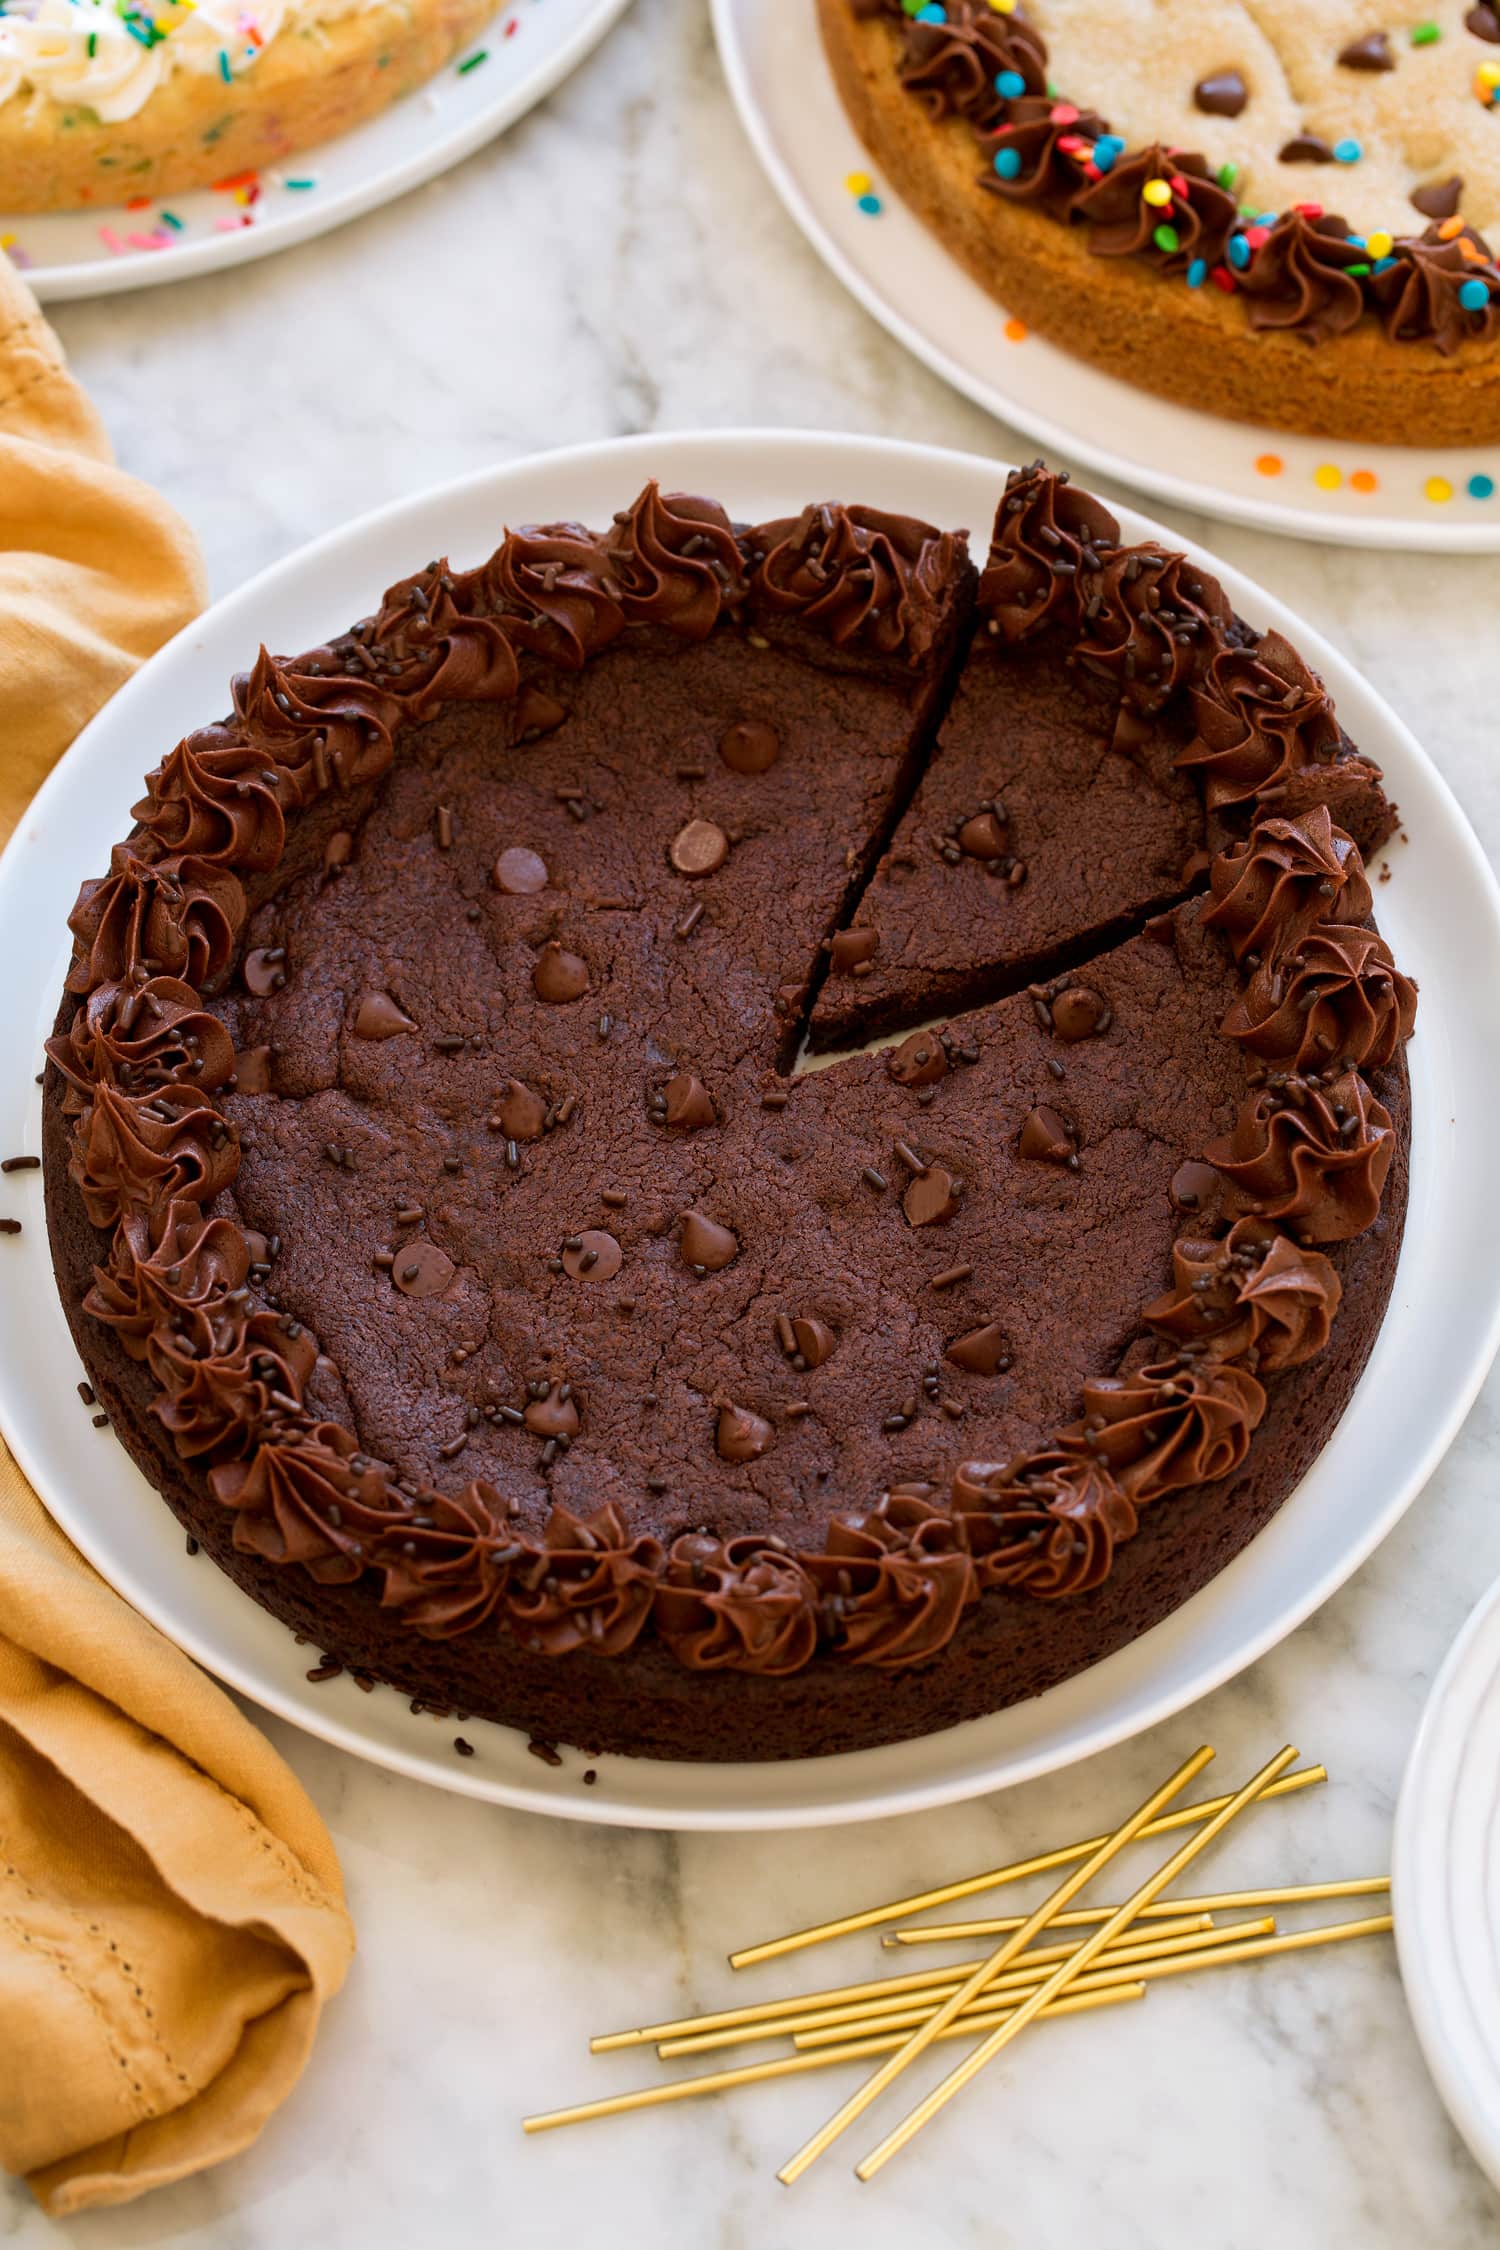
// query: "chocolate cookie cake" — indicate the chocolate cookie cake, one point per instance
point(1276, 210)
point(454, 1235)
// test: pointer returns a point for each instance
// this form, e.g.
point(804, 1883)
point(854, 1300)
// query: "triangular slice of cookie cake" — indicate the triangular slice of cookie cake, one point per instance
point(1113, 723)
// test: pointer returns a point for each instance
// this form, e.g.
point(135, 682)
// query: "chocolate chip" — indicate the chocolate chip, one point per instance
point(1079, 1012)
point(813, 1338)
point(932, 1198)
point(984, 837)
point(749, 746)
point(741, 1435)
point(706, 1244)
point(849, 950)
point(918, 1061)
point(264, 970)
point(1306, 148)
point(379, 1017)
point(1195, 1185)
point(1046, 1136)
point(421, 1269)
point(981, 1351)
point(1224, 94)
point(687, 1103)
point(1439, 199)
point(252, 1070)
point(520, 872)
point(522, 1113)
point(1372, 51)
point(554, 1413)
point(592, 1255)
point(559, 976)
point(1484, 22)
point(699, 849)
point(538, 712)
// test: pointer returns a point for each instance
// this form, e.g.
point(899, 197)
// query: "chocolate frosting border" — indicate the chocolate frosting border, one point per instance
point(144, 1062)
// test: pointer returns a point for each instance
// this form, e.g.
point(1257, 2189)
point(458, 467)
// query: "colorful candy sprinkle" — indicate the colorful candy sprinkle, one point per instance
point(1347, 152)
point(1327, 478)
point(1108, 150)
point(1269, 464)
point(1473, 295)
point(1011, 84)
point(1157, 193)
point(472, 62)
point(1008, 163)
point(1364, 480)
point(1425, 34)
point(1437, 489)
point(1481, 487)
point(1015, 331)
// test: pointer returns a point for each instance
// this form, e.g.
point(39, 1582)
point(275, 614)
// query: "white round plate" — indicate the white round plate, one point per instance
point(529, 48)
point(1445, 1883)
point(1315, 488)
point(1442, 914)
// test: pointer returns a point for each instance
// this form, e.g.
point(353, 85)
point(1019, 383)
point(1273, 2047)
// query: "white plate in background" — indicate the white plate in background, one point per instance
point(530, 47)
point(1445, 1883)
point(1442, 915)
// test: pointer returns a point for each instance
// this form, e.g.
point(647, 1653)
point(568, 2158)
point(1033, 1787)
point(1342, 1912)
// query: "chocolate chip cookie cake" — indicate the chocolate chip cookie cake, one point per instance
point(457, 1236)
point(1276, 210)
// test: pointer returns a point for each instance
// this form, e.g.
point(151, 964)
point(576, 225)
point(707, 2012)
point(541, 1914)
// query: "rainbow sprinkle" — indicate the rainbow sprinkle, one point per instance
point(862, 188)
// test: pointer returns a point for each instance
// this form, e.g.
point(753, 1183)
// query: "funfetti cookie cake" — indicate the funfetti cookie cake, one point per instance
point(452, 1237)
point(105, 100)
point(1278, 210)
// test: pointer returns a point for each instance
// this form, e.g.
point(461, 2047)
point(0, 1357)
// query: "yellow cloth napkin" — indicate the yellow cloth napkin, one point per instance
point(171, 1912)
point(95, 570)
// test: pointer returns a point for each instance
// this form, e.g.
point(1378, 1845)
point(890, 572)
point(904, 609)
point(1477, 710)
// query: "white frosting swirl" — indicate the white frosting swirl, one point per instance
point(110, 56)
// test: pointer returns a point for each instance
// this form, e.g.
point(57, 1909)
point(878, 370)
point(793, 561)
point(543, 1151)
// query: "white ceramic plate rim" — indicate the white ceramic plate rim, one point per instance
point(1130, 1691)
point(1439, 1939)
point(1441, 534)
point(448, 145)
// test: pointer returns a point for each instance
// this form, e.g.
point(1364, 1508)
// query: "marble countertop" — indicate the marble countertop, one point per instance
point(617, 263)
